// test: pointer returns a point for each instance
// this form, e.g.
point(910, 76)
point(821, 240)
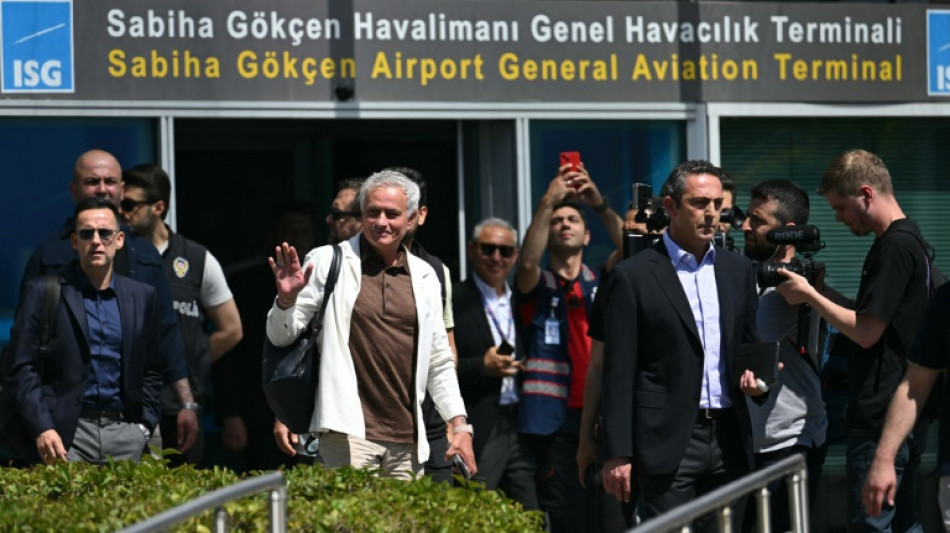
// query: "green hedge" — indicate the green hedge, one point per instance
point(82, 497)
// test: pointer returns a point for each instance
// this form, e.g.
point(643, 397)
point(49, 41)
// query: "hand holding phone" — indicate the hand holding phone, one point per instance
point(460, 465)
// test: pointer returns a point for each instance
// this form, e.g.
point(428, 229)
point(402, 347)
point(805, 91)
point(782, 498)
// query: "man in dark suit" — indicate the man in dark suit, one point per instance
point(489, 366)
point(676, 314)
point(97, 174)
point(95, 393)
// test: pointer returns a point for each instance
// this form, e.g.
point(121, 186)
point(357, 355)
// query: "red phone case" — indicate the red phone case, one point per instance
point(571, 158)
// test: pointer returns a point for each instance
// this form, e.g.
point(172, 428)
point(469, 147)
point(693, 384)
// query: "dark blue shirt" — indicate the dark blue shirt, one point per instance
point(139, 260)
point(104, 382)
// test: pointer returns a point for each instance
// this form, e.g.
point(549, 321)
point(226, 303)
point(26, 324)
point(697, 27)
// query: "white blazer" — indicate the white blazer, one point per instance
point(338, 403)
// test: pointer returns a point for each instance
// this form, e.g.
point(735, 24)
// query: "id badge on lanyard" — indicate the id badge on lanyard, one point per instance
point(552, 327)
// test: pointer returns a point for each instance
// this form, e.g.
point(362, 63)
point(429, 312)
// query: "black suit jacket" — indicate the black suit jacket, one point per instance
point(473, 337)
point(653, 366)
point(55, 401)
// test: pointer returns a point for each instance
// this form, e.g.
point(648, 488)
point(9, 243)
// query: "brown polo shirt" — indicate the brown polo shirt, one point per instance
point(383, 347)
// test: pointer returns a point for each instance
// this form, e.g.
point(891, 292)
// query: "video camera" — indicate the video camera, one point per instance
point(734, 217)
point(650, 212)
point(807, 241)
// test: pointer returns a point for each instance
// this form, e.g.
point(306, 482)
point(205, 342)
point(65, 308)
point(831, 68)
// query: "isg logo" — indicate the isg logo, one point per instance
point(938, 53)
point(36, 46)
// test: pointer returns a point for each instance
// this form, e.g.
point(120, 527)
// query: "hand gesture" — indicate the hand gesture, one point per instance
point(499, 366)
point(584, 188)
point(234, 434)
point(288, 274)
point(50, 447)
point(880, 486)
point(617, 477)
point(560, 188)
point(285, 439)
point(187, 422)
point(796, 290)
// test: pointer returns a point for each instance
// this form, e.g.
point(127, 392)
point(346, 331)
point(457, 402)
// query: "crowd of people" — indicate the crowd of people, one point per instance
point(602, 395)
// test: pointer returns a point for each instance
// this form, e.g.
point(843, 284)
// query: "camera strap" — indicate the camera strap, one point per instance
point(812, 345)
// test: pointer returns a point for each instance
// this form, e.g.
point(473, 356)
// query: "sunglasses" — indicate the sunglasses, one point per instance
point(489, 249)
point(337, 214)
point(105, 234)
point(128, 205)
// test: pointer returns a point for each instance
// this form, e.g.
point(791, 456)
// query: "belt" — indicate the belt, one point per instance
point(101, 415)
point(508, 410)
point(706, 416)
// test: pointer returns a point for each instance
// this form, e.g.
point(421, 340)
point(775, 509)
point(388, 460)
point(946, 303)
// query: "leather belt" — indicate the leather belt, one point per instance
point(101, 416)
point(706, 416)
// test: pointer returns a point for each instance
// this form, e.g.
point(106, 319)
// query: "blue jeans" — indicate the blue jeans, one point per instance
point(902, 517)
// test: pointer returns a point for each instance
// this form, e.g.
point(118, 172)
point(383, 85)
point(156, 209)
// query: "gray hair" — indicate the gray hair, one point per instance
point(494, 222)
point(388, 178)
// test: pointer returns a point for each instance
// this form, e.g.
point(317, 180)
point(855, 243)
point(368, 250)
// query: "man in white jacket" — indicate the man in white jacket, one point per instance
point(383, 342)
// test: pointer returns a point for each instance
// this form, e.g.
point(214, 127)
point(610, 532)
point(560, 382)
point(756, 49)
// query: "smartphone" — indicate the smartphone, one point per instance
point(571, 158)
point(505, 349)
point(460, 465)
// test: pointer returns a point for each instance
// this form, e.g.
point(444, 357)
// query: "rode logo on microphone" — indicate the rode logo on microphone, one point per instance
point(938, 52)
point(36, 49)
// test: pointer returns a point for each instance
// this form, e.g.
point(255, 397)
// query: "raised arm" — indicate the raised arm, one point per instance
point(536, 238)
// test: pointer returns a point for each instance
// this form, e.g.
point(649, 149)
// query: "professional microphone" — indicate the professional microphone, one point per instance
point(804, 237)
point(794, 234)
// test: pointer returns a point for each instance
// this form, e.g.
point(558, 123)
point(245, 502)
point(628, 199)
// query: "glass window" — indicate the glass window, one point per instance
point(38, 156)
point(617, 154)
point(799, 149)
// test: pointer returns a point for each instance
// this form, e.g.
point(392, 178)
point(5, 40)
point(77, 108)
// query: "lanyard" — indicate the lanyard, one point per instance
point(494, 321)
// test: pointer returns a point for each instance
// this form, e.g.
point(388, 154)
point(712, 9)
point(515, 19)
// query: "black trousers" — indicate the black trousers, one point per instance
point(507, 462)
point(714, 456)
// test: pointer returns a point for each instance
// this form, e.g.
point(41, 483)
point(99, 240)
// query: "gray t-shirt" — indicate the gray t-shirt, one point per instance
point(794, 413)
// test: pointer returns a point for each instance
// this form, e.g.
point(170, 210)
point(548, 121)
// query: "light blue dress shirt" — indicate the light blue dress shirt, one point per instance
point(699, 284)
point(501, 322)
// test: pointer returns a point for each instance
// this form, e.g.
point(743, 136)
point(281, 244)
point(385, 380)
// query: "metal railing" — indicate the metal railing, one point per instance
point(756, 483)
point(273, 482)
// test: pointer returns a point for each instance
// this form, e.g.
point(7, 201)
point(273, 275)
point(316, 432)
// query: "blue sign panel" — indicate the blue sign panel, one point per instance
point(36, 46)
point(938, 53)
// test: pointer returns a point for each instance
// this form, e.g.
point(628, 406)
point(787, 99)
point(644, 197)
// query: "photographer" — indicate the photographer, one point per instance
point(891, 299)
point(792, 419)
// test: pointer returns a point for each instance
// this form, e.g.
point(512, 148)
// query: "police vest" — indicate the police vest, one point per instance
point(184, 263)
point(547, 379)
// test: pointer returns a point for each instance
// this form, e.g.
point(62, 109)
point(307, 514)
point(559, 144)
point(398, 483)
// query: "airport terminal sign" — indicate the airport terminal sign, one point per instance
point(479, 51)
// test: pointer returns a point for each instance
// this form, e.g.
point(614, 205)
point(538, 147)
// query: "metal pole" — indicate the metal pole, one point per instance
point(803, 497)
point(220, 520)
point(278, 510)
point(725, 519)
point(763, 511)
point(795, 501)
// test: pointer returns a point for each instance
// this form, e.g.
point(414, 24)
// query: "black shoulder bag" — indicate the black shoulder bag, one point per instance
point(291, 372)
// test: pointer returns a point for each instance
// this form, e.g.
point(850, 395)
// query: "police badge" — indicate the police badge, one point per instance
point(180, 264)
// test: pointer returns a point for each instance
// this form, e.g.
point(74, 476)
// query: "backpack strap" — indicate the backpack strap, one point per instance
point(50, 306)
point(48, 320)
point(929, 254)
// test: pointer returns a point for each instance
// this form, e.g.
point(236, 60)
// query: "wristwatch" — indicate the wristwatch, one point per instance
point(144, 428)
point(605, 205)
point(191, 406)
point(464, 428)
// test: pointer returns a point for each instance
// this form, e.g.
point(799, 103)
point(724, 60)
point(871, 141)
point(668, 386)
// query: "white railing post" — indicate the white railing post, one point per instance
point(278, 510)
